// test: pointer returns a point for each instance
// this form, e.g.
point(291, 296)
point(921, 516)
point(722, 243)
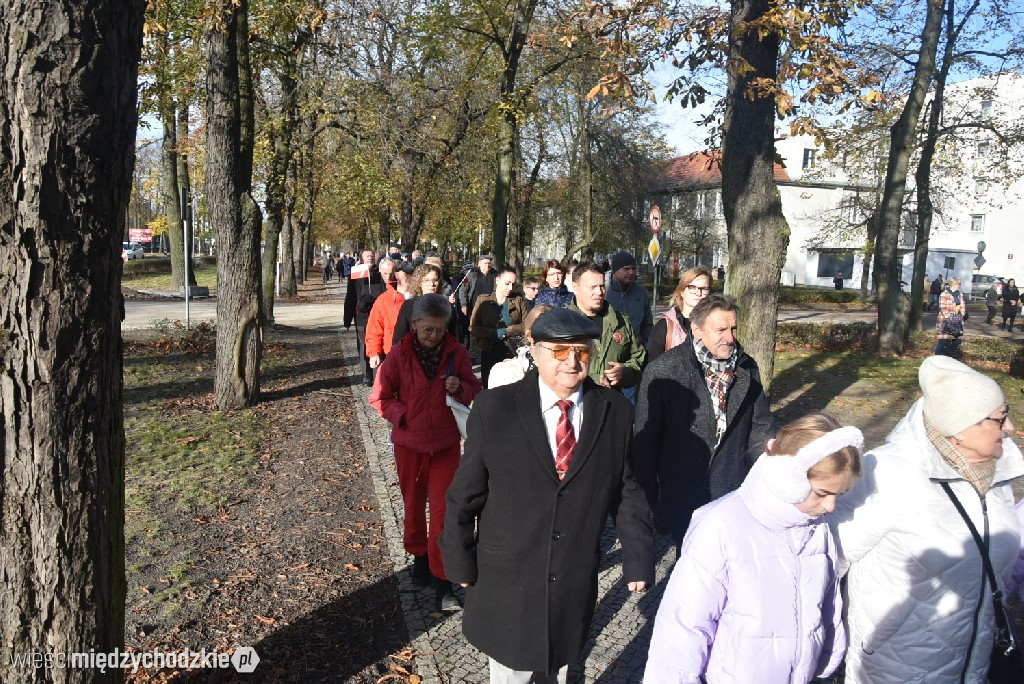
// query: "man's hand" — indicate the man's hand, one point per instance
point(451, 298)
point(613, 375)
point(374, 361)
point(465, 585)
point(635, 586)
point(464, 312)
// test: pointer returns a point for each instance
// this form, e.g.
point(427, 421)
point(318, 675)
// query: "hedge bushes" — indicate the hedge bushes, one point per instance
point(801, 295)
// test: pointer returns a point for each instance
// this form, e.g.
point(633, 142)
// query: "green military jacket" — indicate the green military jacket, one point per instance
point(619, 342)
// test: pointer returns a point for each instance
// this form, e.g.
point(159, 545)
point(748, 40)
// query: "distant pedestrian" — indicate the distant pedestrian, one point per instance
point(410, 393)
point(949, 326)
point(721, 272)
point(545, 465)
point(755, 594)
point(479, 281)
point(380, 328)
point(936, 290)
point(1010, 297)
point(838, 280)
point(328, 266)
point(367, 282)
point(992, 302)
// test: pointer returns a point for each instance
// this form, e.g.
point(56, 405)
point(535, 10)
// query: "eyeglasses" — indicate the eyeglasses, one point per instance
point(531, 287)
point(696, 289)
point(429, 331)
point(1002, 419)
point(561, 352)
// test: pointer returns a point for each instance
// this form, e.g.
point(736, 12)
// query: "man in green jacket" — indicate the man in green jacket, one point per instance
point(619, 356)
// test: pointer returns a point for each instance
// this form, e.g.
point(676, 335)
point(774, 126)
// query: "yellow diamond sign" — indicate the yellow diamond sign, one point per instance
point(654, 248)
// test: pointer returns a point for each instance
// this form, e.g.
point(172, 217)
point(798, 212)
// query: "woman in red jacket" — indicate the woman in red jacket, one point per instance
point(410, 392)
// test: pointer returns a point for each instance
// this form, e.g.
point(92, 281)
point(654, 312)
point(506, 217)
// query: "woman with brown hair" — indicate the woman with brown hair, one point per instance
point(555, 293)
point(673, 328)
point(497, 317)
point(514, 369)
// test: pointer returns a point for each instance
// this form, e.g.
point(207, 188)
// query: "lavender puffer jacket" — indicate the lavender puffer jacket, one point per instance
point(754, 596)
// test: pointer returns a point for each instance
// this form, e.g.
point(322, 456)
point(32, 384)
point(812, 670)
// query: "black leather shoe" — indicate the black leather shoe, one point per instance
point(421, 571)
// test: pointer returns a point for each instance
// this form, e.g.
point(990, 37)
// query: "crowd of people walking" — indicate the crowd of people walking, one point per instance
point(592, 410)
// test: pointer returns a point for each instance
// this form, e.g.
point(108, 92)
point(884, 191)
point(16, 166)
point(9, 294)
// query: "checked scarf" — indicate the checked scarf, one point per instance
point(719, 376)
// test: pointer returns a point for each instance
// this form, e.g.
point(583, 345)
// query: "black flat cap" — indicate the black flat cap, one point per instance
point(406, 266)
point(564, 324)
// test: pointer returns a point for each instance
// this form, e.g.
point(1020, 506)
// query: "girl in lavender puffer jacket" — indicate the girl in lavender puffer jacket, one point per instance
point(755, 595)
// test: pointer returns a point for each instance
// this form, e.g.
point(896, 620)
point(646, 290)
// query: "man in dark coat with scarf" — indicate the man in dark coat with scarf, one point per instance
point(364, 286)
point(545, 464)
point(702, 418)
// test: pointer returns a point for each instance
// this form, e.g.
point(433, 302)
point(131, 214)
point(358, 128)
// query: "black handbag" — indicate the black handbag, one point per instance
point(1006, 666)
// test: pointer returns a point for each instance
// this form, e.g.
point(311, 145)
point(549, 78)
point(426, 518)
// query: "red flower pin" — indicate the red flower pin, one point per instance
point(617, 337)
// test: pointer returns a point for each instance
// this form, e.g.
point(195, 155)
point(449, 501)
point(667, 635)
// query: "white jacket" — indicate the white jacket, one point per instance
point(915, 599)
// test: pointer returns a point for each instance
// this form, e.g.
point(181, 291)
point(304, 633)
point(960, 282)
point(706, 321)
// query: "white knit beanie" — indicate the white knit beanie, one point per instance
point(955, 395)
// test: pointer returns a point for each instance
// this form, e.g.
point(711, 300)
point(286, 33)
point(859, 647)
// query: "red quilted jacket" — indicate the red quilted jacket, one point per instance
point(414, 405)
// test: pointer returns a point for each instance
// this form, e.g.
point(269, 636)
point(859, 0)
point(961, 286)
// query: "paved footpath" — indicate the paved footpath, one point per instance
point(617, 649)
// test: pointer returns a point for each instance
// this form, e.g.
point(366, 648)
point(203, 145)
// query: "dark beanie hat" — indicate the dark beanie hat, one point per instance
point(621, 260)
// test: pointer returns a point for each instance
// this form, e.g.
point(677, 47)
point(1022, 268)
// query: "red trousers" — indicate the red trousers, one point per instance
point(423, 477)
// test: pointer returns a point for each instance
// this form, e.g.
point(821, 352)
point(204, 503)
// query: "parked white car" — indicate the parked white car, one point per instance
point(132, 250)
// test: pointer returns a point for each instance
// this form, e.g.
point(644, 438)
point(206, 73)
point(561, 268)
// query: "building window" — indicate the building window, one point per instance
point(809, 157)
point(986, 108)
point(977, 223)
point(984, 149)
point(980, 186)
point(835, 262)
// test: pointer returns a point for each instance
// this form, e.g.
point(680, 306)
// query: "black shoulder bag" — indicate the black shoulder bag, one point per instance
point(1006, 666)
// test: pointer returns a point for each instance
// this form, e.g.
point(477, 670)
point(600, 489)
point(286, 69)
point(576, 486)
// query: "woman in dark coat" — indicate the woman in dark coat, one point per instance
point(497, 317)
point(410, 393)
point(555, 292)
point(1011, 302)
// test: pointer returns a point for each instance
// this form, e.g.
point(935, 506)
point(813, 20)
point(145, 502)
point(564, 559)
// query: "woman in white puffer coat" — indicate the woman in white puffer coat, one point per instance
point(919, 607)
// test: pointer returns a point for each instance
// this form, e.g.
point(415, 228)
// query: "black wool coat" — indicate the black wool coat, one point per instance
point(360, 296)
point(674, 434)
point(529, 543)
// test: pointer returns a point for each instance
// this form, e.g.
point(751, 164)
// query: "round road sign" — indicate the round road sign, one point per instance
point(654, 217)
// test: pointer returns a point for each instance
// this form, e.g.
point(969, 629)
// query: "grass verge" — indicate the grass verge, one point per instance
point(206, 276)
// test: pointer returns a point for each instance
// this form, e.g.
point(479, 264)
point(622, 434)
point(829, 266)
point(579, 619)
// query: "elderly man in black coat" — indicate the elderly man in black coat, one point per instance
point(545, 464)
point(702, 418)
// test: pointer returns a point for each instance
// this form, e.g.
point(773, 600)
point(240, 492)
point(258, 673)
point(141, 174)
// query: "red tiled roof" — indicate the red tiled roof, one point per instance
point(694, 170)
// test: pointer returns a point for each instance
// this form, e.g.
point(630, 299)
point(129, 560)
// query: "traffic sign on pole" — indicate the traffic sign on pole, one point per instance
point(654, 249)
point(654, 218)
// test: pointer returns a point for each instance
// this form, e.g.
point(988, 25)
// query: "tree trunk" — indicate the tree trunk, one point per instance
point(892, 307)
point(185, 183)
point(923, 175)
point(757, 230)
point(281, 143)
point(67, 131)
point(171, 188)
point(586, 176)
point(508, 129)
point(869, 252)
point(232, 210)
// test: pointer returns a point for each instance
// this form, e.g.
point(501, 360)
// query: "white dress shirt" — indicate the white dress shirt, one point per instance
point(551, 413)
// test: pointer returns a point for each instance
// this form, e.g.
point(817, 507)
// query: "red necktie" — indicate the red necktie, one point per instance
point(565, 439)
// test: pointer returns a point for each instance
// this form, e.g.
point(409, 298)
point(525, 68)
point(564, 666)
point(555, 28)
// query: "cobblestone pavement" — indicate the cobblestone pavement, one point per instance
point(617, 649)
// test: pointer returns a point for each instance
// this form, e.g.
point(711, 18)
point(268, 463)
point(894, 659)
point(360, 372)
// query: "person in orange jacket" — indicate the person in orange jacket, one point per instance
point(380, 329)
